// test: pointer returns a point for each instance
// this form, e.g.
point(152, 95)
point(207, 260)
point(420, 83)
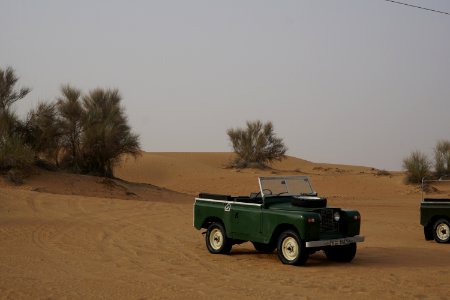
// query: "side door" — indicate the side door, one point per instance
point(245, 220)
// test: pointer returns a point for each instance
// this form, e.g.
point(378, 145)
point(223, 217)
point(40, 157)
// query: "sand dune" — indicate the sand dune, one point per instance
point(192, 173)
point(78, 237)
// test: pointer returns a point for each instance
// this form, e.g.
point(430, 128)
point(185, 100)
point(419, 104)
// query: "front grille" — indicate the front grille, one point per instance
point(327, 223)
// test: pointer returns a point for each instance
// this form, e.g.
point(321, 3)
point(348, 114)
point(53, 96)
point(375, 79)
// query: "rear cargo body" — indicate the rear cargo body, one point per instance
point(431, 209)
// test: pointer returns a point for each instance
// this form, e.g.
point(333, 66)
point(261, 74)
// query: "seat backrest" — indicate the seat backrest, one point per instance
point(214, 196)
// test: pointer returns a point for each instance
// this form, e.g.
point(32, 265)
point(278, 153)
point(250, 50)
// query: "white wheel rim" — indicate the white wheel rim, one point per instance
point(443, 231)
point(290, 248)
point(216, 239)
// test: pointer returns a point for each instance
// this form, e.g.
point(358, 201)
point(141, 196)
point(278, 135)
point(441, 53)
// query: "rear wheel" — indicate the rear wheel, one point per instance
point(216, 239)
point(291, 249)
point(441, 231)
point(341, 253)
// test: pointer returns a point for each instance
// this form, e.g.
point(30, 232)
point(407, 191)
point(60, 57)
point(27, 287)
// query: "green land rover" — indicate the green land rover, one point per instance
point(435, 210)
point(286, 214)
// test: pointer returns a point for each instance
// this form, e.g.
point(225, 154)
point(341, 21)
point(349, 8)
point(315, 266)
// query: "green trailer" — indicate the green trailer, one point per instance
point(285, 214)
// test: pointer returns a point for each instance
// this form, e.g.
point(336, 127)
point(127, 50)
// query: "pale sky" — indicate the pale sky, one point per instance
point(361, 82)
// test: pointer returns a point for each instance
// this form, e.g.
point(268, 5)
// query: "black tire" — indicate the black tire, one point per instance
point(441, 231)
point(291, 249)
point(216, 239)
point(341, 253)
point(265, 248)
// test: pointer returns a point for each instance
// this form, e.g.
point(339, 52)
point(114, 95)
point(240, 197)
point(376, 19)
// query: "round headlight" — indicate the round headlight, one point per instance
point(337, 216)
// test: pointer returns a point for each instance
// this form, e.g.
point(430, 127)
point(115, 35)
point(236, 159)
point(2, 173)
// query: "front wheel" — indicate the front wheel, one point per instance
point(341, 253)
point(216, 239)
point(291, 249)
point(441, 231)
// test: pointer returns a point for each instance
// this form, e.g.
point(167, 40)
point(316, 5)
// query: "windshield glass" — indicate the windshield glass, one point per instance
point(288, 186)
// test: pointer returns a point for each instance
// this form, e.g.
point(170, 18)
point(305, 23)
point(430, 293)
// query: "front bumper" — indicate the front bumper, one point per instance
point(335, 242)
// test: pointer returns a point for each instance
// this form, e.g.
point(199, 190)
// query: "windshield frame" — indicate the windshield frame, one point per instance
point(287, 179)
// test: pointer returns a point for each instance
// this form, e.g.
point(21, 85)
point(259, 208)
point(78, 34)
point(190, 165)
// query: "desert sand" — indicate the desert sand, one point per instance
point(66, 236)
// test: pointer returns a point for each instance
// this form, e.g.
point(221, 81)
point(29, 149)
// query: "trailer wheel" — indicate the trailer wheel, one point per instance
point(441, 231)
point(291, 249)
point(216, 239)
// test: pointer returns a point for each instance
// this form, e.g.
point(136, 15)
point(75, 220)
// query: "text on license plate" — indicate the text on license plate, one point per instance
point(340, 242)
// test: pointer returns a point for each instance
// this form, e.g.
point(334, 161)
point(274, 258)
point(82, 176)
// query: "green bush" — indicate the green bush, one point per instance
point(44, 132)
point(417, 166)
point(70, 113)
point(8, 95)
point(383, 173)
point(106, 133)
point(14, 154)
point(257, 145)
point(442, 158)
point(88, 134)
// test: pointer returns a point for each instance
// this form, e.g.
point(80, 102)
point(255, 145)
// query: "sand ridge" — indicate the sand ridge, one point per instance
point(76, 237)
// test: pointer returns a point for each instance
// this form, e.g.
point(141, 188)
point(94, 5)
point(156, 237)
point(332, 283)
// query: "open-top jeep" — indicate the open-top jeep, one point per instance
point(435, 210)
point(286, 214)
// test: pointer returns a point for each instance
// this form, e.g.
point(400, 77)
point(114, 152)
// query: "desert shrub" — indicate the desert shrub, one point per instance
point(106, 133)
point(88, 135)
point(14, 153)
point(383, 173)
point(8, 95)
point(417, 166)
point(70, 113)
point(442, 158)
point(9, 123)
point(257, 145)
point(44, 131)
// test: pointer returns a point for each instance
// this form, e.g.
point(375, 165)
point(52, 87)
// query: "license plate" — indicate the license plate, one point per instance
point(341, 242)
